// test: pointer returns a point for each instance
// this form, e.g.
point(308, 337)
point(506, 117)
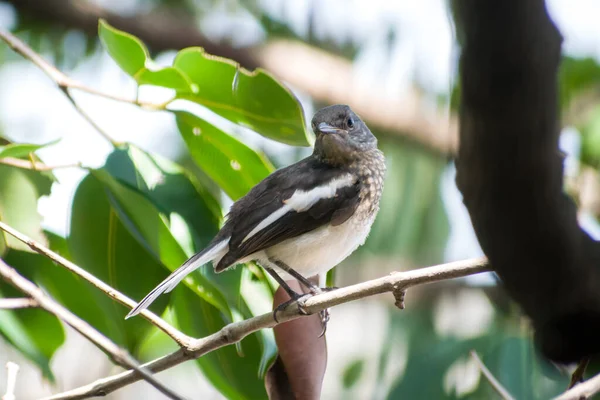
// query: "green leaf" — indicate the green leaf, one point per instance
point(590, 134)
point(36, 333)
point(577, 75)
point(235, 167)
point(167, 77)
point(352, 373)
point(234, 376)
point(18, 150)
point(252, 99)
point(152, 231)
point(100, 243)
point(127, 50)
point(18, 206)
point(171, 189)
point(133, 57)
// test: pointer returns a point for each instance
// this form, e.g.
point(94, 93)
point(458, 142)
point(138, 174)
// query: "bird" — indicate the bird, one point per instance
point(303, 219)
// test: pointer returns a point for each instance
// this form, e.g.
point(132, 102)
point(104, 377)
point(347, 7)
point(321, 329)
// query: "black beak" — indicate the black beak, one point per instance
point(326, 128)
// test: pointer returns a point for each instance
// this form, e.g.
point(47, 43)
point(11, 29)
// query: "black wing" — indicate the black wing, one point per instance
point(268, 196)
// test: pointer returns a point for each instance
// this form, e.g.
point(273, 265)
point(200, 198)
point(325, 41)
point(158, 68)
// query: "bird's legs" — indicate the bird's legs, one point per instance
point(299, 298)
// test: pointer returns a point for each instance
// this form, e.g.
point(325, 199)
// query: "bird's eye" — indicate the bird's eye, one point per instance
point(350, 122)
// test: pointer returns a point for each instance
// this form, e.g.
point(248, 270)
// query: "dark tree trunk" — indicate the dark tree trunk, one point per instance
point(510, 172)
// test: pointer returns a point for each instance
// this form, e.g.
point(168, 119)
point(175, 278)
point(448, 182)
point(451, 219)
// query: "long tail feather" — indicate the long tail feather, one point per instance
point(211, 253)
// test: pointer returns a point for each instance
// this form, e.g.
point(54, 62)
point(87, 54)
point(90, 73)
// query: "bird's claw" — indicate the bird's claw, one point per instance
point(300, 300)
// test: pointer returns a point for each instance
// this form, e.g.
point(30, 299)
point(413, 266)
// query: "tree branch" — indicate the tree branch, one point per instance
point(510, 172)
point(501, 390)
point(118, 355)
point(34, 165)
point(65, 83)
point(236, 331)
point(325, 77)
point(12, 370)
point(11, 304)
point(583, 390)
point(181, 339)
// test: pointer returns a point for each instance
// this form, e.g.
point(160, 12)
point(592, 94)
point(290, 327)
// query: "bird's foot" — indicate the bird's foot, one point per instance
point(300, 300)
point(295, 297)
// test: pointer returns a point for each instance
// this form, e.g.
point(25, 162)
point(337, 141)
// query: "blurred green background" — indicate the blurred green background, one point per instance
point(136, 211)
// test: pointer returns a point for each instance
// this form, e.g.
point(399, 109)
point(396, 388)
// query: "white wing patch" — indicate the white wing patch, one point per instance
point(303, 200)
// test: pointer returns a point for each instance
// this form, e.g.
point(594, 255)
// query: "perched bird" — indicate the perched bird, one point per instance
point(304, 219)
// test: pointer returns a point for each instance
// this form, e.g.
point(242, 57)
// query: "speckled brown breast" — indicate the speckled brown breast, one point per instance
point(371, 172)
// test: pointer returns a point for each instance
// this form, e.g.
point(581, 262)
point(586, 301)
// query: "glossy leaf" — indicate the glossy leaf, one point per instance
point(100, 243)
point(18, 206)
point(132, 56)
point(170, 189)
point(190, 209)
point(127, 50)
point(151, 230)
point(252, 99)
point(21, 149)
point(235, 167)
point(235, 376)
point(167, 77)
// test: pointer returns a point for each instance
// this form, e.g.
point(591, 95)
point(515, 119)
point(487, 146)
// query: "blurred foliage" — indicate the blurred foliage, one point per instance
point(139, 216)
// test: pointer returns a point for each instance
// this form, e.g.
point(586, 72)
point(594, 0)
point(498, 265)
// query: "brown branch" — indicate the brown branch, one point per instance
point(34, 165)
point(25, 302)
point(181, 339)
point(119, 356)
point(236, 331)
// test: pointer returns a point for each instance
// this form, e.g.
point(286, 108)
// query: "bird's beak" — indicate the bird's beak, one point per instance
point(326, 128)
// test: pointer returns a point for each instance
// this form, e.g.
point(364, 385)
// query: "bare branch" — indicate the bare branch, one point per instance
point(11, 304)
point(181, 339)
point(11, 380)
point(61, 79)
point(491, 378)
point(118, 355)
point(583, 390)
point(34, 165)
point(65, 83)
point(325, 77)
point(236, 331)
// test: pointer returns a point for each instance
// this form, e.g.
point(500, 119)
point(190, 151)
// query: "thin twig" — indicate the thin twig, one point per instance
point(181, 339)
point(65, 83)
point(491, 378)
point(89, 119)
point(35, 166)
point(11, 380)
point(236, 331)
point(61, 79)
point(577, 375)
point(119, 356)
point(12, 304)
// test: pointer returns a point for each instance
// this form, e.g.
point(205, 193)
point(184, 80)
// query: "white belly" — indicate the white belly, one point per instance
point(318, 251)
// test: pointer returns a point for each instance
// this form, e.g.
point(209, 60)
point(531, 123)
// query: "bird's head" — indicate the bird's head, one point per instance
point(341, 135)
